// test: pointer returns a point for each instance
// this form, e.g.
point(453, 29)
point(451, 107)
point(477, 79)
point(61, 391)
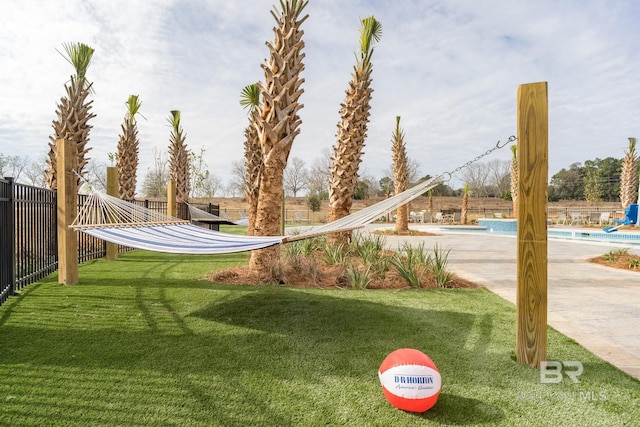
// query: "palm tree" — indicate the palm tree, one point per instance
point(466, 191)
point(278, 122)
point(400, 175)
point(179, 158)
point(352, 127)
point(629, 176)
point(514, 179)
point(127, 157)
point(73, 112)
point(250, 98)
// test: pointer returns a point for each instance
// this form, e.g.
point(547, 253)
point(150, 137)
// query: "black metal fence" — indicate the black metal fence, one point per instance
point(28, 235)
point(29, 238)
point(7, 266)
point(34, 233)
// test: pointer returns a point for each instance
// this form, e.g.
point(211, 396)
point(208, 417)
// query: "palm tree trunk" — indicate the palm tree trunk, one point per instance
point(278, 123)
point(268, 219)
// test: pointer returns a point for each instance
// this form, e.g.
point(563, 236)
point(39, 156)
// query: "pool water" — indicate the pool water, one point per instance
point(508, 227)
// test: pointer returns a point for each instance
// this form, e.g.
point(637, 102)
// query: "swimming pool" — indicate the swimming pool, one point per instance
point(509, 227)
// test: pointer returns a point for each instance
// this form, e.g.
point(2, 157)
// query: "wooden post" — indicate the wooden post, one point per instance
point(171, 198)
point(66, 163)
point(112, 190)
point(531, 292)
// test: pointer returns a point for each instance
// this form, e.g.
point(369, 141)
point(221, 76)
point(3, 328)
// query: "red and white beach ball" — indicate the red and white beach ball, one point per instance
point(410, 380)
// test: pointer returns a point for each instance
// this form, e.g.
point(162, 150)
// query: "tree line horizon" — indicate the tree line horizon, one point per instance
point(596, 180)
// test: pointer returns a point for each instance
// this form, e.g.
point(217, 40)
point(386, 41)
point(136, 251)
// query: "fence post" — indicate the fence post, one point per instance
point(171, 198)
point(112, 190)
point(531, 290)
point(7, 241)
point(11, 223)
point(66, 159)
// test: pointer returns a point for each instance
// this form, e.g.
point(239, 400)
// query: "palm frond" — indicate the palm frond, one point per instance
point(174, 120)
point(370, 33)
point(133, 106)
point(398, 134)
point(79, 55)
point(250, 97)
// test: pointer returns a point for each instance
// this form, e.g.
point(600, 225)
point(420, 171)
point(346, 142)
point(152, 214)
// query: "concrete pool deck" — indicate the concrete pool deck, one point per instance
point(597, 306)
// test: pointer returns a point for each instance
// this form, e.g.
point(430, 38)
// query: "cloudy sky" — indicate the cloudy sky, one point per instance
point(450, 69)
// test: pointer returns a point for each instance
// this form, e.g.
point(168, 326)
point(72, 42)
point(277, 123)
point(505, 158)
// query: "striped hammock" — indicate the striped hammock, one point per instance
point(124, 223)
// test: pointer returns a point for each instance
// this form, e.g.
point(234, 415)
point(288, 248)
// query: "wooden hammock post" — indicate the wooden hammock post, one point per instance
point(67, 182)
point(112, 190)
point(171, 198)
point(531, 291)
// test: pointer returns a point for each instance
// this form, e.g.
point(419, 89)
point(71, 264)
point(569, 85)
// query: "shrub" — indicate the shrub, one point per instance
point(438, 267)
point(409, 265)
point(357, 278)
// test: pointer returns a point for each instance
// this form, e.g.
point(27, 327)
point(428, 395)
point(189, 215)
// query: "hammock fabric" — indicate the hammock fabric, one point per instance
point(182, 239)
point(198, 215)
point(124, 223)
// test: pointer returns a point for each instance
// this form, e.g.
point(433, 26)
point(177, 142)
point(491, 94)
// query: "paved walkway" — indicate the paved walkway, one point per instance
point(597, 306)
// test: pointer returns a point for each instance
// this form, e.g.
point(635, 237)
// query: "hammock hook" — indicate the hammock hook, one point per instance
point(503, 144)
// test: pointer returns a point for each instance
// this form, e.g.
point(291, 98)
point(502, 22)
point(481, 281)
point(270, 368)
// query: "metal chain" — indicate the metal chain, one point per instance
point(446, 176)
point(82, 178)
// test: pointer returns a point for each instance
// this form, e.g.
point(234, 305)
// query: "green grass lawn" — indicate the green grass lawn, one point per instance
point(146, 341)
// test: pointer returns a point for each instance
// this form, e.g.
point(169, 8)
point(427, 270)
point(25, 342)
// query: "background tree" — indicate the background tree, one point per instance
point(386, 185)
point(400, 175)
point(296, 177)
point(95, 177)
point(155, 180)
point(603, 175)
point(514, 179)
point(12, 166)
point(250, 99)
point(363, 189)
point(439, 190)
point(179, 170)
point(73, 112)
point(319, 175)
point(237, 184)
point(567, 184)
point(314, 203)
point(592, 185)
point(499, 182)
point(476, 175)
point(209, 186)
point(352, 127)
point(127, 158)
point(203, 182)
point(629, 176)
point(35, 172)
point(278, 123)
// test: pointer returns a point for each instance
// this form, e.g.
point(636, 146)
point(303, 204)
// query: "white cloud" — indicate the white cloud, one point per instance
point(450, 69)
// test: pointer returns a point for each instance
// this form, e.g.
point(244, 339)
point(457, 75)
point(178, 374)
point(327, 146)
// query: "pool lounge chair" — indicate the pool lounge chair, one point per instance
point(630, 218)
point(604, 218)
